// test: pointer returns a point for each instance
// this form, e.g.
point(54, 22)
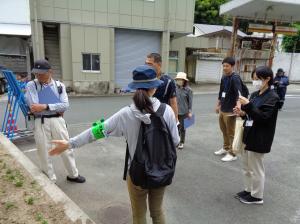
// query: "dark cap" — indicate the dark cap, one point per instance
point(280, 70)
point(144, 77)
point(41, 66)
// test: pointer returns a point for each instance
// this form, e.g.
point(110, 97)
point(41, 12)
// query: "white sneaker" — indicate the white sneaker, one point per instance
point(220, 152)
point(229, 158)
point(180, 146)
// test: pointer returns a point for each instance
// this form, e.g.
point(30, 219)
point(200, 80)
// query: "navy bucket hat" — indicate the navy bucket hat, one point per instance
point(144, 77)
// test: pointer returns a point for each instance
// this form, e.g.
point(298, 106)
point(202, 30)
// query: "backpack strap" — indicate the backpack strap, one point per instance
point(58, 87)
point(126, 162)
point(161, 110)
point(167, 87)
point(36, 85)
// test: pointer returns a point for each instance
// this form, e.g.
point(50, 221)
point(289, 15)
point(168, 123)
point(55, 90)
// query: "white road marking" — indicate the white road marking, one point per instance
point(292, 96)
point(30, 150)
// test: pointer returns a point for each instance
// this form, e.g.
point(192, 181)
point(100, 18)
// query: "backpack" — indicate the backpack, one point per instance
point(153, 163)
point(245, 90)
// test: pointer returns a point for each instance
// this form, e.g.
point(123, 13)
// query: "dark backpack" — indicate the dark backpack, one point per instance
point(245, 90)
point(153, 163)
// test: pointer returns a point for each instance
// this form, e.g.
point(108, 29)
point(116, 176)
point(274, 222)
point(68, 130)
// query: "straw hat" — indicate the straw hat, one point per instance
point(181, 75)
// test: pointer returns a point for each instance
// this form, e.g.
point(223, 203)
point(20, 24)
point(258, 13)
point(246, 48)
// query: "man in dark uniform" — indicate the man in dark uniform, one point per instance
point(166, 93)
point(281, 82)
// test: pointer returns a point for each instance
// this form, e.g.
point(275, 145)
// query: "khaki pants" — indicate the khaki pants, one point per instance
point(53, 128)
point(227, 126)
point(253, 173)
point(138, 198)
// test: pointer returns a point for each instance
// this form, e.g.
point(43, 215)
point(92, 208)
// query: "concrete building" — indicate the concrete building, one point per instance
point(200, 54)
point(93, 45)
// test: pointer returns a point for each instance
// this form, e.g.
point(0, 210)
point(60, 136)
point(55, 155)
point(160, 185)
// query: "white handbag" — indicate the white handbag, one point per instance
point(237, 144)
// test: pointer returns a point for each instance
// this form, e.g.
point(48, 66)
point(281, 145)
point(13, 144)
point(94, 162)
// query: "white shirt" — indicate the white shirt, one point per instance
point(31, 96)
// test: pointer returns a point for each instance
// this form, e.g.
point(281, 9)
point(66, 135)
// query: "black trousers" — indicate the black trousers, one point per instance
point(181, 129)
point(281, 91)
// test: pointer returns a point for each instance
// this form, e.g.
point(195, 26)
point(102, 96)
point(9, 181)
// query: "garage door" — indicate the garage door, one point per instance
point(208, 71)
point(131, 48)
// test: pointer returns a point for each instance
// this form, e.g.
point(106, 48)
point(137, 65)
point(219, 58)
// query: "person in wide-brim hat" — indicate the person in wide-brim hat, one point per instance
point(126, 123)
point(144, 77)
point(184, 96)
point(182, 75)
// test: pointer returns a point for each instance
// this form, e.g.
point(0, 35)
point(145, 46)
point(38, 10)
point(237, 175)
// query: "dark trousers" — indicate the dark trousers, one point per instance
point(181, 129)
point(281, 91)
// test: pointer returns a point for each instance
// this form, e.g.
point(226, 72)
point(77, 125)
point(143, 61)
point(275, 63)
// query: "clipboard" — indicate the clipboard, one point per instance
point(47, 96)
point(188, 122)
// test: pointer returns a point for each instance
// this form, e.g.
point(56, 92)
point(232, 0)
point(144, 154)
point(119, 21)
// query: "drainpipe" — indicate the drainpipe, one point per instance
point(168, 39)
point(37, 42)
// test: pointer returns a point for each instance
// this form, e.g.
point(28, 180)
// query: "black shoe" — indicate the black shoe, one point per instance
point(251, 200)
point(242, 194)
point(79, 179)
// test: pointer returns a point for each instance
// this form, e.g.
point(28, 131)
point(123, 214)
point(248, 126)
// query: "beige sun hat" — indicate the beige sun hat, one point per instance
point(182, 75)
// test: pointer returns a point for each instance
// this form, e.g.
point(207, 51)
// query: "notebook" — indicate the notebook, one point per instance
point(188, 122)
point(47, 96)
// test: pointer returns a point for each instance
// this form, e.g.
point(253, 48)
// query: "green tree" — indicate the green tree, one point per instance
point(292, 43)
point(207, 12)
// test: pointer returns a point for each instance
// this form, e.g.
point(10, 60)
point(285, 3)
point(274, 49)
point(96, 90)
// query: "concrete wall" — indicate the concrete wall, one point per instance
point(92, 40)
point(66, 53)
point(137, 14)
point(290, 64)
point(37, 38)
point(220, 42)
point(180, 45)
point(87, 26)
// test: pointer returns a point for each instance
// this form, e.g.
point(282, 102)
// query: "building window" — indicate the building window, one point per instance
point(173, 62)
point(91, 62)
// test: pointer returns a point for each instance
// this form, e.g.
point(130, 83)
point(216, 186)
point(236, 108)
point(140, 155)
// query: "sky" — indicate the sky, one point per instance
point(14, 11)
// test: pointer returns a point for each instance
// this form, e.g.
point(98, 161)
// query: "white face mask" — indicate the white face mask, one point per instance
point(179, 82)
point(257, 84)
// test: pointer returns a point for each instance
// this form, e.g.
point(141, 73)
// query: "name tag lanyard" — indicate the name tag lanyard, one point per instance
point(226, 86)
point(256, 102)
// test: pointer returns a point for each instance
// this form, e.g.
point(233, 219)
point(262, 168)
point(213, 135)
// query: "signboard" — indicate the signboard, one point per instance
point(260, 28)
point(286, 30)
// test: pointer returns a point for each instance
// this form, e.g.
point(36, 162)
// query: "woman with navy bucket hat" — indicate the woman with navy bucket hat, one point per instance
point(127, 123)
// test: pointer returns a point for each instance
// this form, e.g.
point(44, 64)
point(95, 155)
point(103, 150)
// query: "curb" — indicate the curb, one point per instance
point(71, 210)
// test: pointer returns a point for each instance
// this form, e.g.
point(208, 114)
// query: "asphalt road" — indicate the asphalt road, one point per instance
point(203, 187)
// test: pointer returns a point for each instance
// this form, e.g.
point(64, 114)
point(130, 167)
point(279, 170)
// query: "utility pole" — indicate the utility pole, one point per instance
point(235, 26)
